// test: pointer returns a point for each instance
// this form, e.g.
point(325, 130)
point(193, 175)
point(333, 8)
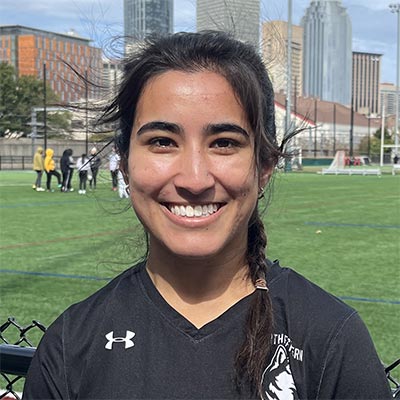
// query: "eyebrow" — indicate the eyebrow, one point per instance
point(159, 126)
point(214, 129)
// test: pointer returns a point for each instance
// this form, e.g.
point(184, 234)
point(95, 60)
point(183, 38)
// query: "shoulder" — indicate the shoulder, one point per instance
point(105, 304)
point(303, 310)
point(125, 282)
point(293, 289)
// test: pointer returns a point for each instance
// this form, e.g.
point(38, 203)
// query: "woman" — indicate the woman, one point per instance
point(95, 162)
point(50, 168)
point(38, 167)
point(83, 167)
point(67, 169)
point(204, 316)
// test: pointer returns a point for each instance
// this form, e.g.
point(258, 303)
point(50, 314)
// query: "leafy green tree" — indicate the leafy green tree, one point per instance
point(375, 142)
point(17, 97)
point(8, 97)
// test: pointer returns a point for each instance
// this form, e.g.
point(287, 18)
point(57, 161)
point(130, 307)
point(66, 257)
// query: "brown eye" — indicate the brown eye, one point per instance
point(225, 143)
point(162, 142)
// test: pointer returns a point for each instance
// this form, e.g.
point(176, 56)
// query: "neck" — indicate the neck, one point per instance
point(200, 290)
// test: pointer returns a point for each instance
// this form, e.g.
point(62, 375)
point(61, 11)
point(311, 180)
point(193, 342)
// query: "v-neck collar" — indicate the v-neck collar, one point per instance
point(227, 318)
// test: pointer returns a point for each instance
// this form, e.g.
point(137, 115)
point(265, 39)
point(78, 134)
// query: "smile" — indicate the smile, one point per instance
point(193, 211)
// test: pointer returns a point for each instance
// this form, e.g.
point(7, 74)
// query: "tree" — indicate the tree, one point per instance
point(17, 97)
point(8, 97)
point(375, 142)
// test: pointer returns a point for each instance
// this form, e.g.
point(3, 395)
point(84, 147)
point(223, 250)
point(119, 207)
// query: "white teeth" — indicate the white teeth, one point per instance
point(198, 211)
point(189, 211)
point(194, 211)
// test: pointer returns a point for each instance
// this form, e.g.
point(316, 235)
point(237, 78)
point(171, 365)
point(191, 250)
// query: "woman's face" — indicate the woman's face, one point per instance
point(191, 167)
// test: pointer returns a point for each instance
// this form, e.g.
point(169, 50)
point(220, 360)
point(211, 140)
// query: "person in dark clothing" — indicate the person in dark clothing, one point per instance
point(67, 170)
point(95, 163)
point(205, 315)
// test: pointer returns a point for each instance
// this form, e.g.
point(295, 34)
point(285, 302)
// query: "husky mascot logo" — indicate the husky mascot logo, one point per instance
point(277, 378)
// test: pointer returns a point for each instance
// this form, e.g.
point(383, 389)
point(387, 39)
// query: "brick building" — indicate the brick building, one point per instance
point(29, 49)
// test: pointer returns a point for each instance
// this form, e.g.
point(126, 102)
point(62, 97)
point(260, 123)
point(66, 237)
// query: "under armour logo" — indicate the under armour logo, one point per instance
point(127, 339)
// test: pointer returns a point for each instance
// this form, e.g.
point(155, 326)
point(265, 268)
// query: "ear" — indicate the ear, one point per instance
point(265, 175)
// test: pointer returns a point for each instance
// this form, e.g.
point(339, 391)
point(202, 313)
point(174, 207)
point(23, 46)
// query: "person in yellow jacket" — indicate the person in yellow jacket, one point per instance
point(38, 166)
point(50, 168)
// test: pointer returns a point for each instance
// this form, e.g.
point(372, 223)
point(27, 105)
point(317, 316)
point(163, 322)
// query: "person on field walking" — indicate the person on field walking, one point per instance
point(50, 168)
point(114, 160)
point(83, 167)
point(95, 162)
point(67, 169)
point(38, 167)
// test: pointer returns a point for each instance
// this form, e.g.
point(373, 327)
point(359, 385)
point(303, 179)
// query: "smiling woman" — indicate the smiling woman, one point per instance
point(205, 315)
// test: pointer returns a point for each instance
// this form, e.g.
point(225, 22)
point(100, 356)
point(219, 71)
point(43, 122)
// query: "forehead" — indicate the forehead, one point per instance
point(199, 93)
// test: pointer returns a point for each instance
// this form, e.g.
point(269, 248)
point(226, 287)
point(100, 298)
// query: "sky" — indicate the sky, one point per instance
point(374, 25)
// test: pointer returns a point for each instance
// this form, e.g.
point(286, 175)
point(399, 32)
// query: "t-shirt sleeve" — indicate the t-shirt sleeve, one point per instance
point(46, 376)
point(352, 369)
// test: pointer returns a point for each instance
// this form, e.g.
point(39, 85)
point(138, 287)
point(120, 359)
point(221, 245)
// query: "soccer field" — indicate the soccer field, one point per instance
point(342, 232)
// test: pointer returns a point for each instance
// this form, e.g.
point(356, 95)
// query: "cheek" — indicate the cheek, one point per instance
point(240, 178)
point(146, 176)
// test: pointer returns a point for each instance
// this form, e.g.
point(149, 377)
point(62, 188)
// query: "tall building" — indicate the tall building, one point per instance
point(327, 51)
point(240, 17)
point(146, 17)
point(388, 95)
point(274, 53)
point(366, 81)
point(112, 74)
point(29, 49)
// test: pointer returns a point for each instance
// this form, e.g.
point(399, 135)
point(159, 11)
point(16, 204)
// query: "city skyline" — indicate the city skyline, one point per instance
point(374, 26)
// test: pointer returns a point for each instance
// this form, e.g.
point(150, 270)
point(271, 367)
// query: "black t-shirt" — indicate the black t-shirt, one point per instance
point(126, 342)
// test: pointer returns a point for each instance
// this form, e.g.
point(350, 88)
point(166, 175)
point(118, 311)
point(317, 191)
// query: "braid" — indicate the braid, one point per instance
point(250, 360)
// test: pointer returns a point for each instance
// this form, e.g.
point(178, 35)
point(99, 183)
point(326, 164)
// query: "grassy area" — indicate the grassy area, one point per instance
point(342, 232)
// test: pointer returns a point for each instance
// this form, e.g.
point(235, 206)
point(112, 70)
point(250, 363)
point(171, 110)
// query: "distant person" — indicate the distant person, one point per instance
point(67, 169)
point(38, 167)
point(122, 192)
point(395, 159)
point(114, 166)
point(95, 162)
point(83, 167)
point(50, 168)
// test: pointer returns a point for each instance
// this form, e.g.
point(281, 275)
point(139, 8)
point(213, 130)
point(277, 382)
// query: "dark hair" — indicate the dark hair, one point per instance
point(240, 64)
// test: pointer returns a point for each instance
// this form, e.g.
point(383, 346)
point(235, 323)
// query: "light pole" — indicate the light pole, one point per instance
point(395, 8)
point(288, 122)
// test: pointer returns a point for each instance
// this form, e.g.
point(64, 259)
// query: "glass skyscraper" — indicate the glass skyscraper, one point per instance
point(145, 17)
point(240, 17)
point(327, 52)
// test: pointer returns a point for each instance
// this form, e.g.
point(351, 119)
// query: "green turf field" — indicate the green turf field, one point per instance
point(342, 232)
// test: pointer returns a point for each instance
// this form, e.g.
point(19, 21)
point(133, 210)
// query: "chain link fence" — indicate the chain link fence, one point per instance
point(16, 351)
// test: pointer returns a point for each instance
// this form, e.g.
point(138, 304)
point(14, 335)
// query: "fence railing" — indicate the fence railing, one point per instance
point(16, 352)
point(15, 162)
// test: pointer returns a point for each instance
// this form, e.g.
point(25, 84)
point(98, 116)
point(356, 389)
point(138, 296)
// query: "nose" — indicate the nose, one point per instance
point(194, 173)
